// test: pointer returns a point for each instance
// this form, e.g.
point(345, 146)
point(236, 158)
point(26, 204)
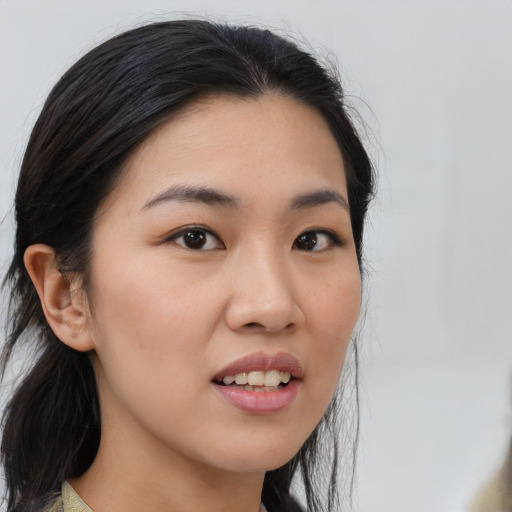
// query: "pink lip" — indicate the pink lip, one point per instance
point(262, 362)
point(260, 402)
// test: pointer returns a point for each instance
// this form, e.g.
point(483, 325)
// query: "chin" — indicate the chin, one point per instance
point(262, 458)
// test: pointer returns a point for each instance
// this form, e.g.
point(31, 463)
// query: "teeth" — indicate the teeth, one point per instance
point(269, 379)
point(273, 378)
point(259, 389)
point(256, 378)
point(241, 378)
point(285, 377)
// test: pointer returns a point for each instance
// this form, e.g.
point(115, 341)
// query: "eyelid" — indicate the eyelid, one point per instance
point(335, 238)
point(178, 232)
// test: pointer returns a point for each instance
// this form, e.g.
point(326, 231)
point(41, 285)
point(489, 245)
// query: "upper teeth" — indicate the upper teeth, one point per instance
point(268, 379)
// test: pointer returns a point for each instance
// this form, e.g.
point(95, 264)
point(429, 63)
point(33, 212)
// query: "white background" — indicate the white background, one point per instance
point(437, 346)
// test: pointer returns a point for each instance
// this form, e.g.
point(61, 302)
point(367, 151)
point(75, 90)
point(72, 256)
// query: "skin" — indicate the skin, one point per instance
point(161, 319)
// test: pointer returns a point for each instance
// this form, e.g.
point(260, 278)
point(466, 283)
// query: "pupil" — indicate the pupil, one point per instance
point(307, 241)
point(195, 239)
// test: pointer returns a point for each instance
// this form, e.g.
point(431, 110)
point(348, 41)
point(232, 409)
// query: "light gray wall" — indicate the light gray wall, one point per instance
point(437, 349)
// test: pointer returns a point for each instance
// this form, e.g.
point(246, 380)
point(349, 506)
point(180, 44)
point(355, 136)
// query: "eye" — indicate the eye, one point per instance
point(316, 240)
point(197, 239)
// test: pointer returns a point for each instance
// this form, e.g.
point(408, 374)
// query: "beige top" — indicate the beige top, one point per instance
point(493, 497)
point(69, 501)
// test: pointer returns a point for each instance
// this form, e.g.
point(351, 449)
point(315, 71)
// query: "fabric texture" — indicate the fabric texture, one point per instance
point(69, 501)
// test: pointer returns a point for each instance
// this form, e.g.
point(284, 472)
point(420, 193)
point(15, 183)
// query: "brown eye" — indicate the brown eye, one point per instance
point(316, 241)
point(194, 239)
point(197, 240)
point(306, 241)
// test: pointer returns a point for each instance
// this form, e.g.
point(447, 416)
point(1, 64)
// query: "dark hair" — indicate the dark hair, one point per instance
point(95, 117)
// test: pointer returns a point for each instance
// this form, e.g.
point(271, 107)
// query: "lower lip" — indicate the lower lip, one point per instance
point(259, 402)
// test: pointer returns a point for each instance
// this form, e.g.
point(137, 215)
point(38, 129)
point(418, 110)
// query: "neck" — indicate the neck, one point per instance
point(145, 478)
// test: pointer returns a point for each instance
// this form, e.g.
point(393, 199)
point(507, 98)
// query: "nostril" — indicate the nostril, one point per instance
point(257, 325)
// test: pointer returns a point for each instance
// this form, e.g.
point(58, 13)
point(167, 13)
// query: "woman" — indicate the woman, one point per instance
point(190, 212)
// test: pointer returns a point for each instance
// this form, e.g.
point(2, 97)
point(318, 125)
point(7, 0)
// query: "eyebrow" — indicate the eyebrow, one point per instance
point(184, 193)
point(318, 198)
point(210, 196)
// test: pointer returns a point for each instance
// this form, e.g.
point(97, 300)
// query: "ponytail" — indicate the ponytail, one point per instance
point(51, 427)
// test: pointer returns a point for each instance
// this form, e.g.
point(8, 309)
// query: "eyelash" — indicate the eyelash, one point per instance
point(192, 229)
point(334, 239)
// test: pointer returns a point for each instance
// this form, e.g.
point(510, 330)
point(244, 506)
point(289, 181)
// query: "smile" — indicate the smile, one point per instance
point(260, 383)
point(271, 380)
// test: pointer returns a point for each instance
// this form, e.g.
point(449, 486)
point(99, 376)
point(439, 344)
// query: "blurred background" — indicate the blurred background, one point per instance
point(432, 81)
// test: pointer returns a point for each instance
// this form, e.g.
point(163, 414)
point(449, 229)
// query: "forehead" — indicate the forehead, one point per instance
point(271, 143)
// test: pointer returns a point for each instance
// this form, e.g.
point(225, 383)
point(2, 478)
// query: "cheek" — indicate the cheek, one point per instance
point(146, 313)
point(147, 336)
point(334, 306)
point(142, 285)
point(333, 315)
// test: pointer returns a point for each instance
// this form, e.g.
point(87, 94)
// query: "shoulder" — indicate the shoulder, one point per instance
point(55, 505)
point(493, 496)
point(67, 501)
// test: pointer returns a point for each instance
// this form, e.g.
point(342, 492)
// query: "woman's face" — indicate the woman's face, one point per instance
point(225, 251)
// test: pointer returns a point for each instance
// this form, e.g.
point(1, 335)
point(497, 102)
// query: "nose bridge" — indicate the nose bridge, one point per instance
point(268, 271)
point(263, 292)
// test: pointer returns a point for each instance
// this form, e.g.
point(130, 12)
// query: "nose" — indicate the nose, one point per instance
point(263, 295)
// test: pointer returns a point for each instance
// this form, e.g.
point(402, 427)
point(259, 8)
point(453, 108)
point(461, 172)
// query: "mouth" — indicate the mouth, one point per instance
point(260, 383)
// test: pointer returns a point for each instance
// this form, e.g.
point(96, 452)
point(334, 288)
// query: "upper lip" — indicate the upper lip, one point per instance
point(262, 362)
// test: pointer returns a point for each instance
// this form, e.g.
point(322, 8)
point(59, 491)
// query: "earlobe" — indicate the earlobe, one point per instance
point(65, 312)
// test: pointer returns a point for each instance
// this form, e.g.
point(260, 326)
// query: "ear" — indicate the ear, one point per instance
point(66, 312)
